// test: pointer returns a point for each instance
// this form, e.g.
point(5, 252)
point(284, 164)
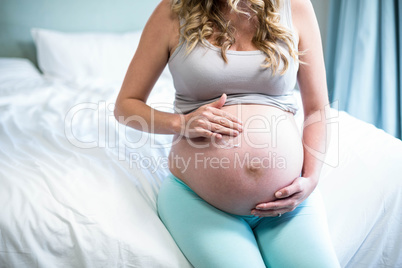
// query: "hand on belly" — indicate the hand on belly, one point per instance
point(235, 174)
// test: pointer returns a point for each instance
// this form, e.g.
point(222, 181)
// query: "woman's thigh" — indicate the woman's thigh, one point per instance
point(207, 236)
point(299, 238)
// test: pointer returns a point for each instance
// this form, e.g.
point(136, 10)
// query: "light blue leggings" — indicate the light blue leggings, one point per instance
point(212, 238)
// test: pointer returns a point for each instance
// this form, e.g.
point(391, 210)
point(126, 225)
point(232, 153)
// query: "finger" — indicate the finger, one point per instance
point(226, 115)
point(201, 132)
point(208, 128)
point(292, 189)
point(274, 213)
point(279, 204)
point(216, 128)
point(225, 122)
point(218, 103)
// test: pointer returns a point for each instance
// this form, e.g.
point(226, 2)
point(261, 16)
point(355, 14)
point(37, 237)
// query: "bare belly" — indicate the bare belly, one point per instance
point(237, 173)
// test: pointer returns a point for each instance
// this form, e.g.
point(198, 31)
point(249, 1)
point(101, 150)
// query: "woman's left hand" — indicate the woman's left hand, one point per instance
point(288, 198)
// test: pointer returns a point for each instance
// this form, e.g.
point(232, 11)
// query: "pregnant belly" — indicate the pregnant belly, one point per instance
point(235, 174)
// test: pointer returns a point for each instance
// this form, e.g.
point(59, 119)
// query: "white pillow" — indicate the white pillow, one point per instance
point(84, 58)
point(17, 73)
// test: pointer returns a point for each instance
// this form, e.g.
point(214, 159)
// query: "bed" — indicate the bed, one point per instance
point(79, 190)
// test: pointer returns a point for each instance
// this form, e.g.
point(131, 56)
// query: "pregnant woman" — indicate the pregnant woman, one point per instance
point(242, 189)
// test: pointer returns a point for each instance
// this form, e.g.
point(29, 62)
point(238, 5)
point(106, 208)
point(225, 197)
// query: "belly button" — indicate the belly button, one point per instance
point(254, 169)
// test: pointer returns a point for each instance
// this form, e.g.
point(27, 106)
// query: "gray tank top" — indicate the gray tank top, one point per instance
point(202, 76)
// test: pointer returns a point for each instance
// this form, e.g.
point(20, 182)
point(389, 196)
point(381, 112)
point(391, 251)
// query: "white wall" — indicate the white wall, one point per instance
point(321, 8)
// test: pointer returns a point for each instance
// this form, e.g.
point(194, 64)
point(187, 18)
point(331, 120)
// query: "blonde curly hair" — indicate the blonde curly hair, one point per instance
point(201, 16)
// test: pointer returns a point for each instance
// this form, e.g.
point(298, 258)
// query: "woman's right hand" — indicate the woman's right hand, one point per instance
point(209, 121)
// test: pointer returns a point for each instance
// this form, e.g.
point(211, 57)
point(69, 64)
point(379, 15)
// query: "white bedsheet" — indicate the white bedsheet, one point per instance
point(63, 205)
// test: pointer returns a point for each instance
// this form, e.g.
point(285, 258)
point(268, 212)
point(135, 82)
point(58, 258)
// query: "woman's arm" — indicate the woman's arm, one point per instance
point(313, 89)
point(161, 36)
point(145, 68)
